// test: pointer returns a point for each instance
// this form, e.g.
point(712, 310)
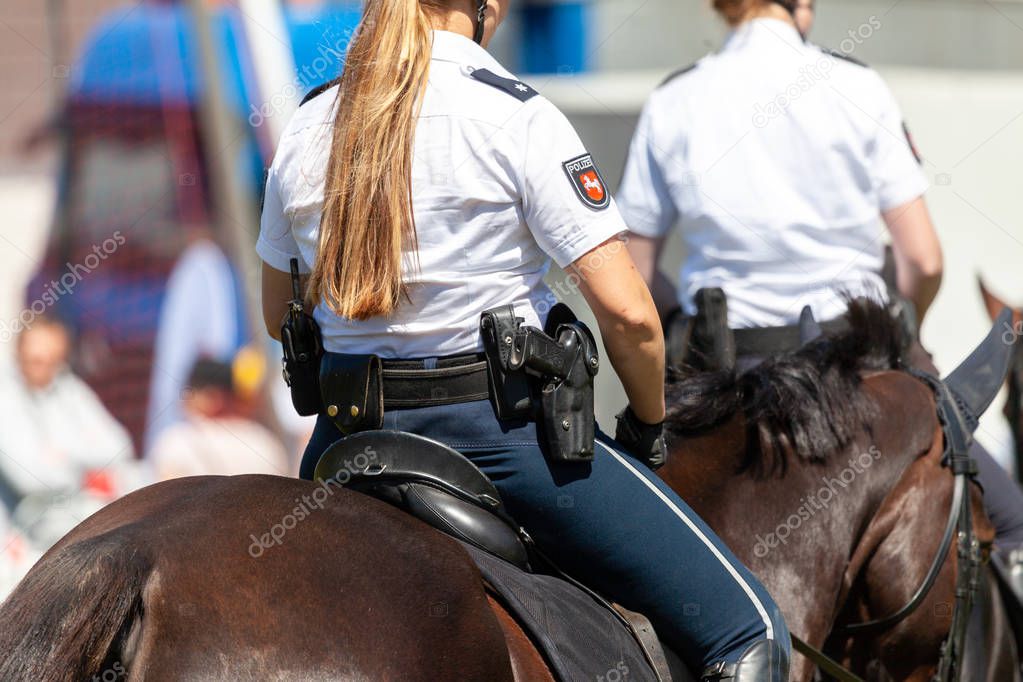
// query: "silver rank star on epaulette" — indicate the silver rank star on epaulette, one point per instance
point(516, 89)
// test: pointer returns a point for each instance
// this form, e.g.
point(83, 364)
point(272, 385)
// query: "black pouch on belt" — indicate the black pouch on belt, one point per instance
point(352, 388)
point(509, 389)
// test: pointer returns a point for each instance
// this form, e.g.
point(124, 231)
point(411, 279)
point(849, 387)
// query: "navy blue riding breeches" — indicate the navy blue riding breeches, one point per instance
point(610, 523)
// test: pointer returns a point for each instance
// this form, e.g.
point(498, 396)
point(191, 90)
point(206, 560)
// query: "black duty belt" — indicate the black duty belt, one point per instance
point(763, 341)
point(445, 381)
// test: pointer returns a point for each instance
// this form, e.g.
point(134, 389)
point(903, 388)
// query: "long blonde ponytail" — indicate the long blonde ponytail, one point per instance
point(367, 223)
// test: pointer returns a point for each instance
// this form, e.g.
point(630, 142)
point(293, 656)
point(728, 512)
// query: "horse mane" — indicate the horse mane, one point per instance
point(808, 401)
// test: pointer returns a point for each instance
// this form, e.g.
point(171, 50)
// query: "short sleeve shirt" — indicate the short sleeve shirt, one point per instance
point(775, 159)
point(501, 185)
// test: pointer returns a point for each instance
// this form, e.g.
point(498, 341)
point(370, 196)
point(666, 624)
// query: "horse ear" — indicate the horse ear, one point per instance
point(979, 378)
point(994, 304)
point(808, 327)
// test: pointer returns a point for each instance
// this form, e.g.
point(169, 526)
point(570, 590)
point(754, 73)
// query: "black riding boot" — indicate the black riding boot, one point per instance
point(765, 661)
point(1008, 567)
point(1012, 564)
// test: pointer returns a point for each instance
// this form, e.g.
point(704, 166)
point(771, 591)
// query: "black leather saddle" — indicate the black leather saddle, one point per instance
point(574, 629)
point(430, 481)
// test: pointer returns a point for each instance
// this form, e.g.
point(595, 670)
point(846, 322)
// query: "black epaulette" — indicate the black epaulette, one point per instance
point(319, 90)
point(678, 74)
point(843, 56)
point(516, 89)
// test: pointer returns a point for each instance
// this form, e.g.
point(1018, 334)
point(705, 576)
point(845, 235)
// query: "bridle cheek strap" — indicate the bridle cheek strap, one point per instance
point(481, 21)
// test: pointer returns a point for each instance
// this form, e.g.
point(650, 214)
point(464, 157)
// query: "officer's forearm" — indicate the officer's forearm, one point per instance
point(918, 286)
point(637, 354)
point(629, 325)
point(276, 292)
point(917, 249)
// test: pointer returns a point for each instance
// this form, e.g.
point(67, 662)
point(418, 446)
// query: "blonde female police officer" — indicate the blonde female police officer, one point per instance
point(776, 159)
point(431, 185)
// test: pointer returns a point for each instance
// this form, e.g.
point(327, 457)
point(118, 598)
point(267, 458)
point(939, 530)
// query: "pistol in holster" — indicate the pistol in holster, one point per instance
point(303, 348)
point(556, 367)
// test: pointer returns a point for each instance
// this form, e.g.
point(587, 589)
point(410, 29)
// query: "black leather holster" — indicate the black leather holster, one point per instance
point(509, 388)
point(546, 376)
point(352, 390)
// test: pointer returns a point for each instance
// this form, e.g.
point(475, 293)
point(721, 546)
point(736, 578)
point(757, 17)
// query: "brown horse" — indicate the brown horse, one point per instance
point(1014, 402)
point(822, 471)
point(183, 579)
point(180, 581)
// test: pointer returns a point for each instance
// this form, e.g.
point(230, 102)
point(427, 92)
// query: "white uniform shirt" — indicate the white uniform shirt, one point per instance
point(775, 158)
point(501, 184)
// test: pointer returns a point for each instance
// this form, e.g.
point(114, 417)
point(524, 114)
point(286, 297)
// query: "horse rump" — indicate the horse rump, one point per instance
point(69, 618)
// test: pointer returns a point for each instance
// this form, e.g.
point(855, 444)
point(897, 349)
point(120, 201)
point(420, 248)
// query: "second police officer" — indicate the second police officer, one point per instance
point(776, 159)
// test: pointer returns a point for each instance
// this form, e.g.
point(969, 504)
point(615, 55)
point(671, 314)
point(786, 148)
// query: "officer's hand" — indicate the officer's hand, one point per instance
point(643, 441)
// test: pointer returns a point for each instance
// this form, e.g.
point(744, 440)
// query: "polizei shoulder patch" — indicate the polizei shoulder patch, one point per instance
point(588, 182)
point(516, 89)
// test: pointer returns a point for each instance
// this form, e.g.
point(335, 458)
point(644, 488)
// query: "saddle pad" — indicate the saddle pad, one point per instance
point(579, 638)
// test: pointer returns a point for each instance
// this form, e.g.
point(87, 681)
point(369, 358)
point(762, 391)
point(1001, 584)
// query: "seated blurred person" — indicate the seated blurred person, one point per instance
point(216, 438)
point(57, 442)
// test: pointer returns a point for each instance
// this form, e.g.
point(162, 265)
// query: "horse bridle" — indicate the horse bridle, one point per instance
point(957, 425)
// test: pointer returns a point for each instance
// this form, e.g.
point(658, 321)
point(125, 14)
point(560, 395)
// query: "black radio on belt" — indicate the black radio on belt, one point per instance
point(303, 348)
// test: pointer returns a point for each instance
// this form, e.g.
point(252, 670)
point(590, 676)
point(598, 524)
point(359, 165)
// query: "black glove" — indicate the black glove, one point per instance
point(645, 442)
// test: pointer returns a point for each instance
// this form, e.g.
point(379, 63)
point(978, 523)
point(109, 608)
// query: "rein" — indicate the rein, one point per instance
point(957, 428)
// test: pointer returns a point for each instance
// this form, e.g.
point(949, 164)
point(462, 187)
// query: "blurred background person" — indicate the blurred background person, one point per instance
point(217, 437)
point(61, 453)
point(199, 318)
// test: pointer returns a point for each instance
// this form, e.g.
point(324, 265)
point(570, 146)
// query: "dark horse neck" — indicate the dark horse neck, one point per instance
point(811, 530)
